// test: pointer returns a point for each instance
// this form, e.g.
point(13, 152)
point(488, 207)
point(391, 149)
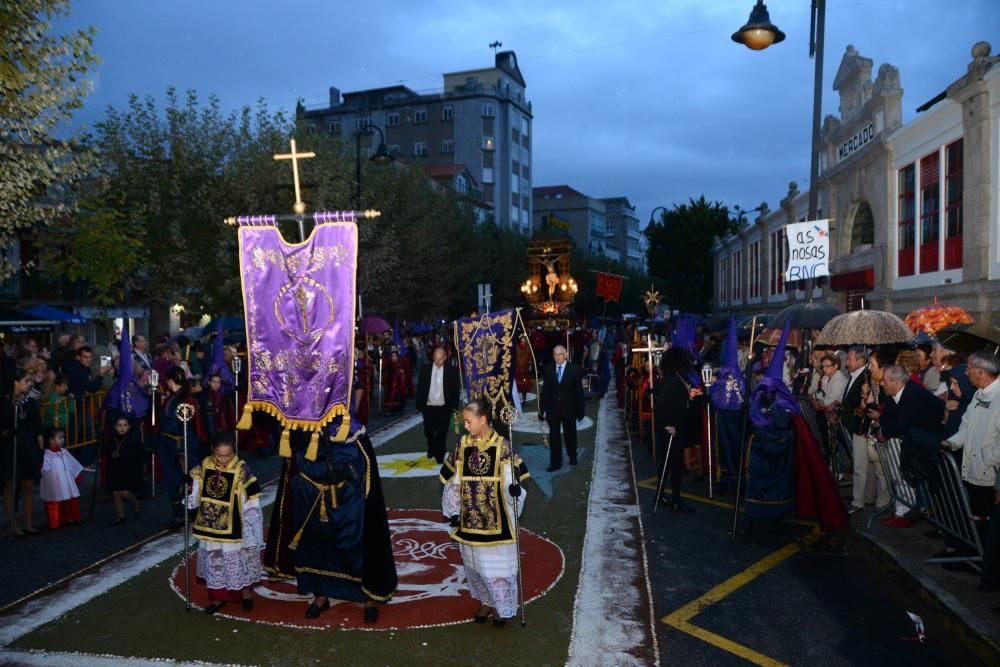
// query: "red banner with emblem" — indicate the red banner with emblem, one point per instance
point(609, 286)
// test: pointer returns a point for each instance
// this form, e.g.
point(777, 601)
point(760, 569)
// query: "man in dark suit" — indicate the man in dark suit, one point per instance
point(914, 415)
point(854, 419)
point(437, 398)
point(563, 403)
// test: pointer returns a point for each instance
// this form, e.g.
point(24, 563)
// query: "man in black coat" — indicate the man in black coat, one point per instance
point(563, 403)
point(914, 415)
point(437, 398)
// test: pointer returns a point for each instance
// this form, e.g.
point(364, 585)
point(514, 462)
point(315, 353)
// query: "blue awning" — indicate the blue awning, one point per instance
point(14, 321)
point(55, 314)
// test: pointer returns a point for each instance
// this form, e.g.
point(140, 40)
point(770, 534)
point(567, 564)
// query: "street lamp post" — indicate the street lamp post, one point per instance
point(759, 33)
point(652, 215)
point(382, 156)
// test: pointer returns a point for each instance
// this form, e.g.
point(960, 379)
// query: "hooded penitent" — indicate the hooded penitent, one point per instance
point(728, 391)
point(772, 389)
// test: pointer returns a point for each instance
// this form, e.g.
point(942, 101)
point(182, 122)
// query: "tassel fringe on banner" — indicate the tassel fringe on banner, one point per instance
point(285, 444)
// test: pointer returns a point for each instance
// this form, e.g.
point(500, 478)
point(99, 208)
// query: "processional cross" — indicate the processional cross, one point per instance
point(649, 350)
point(300, 206)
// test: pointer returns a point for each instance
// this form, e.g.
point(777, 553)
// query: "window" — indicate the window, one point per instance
point(738, 275)
point(515, 213)
point(524, 125)
point(419, 148)
point(907, 216)
point(334, 127)
point(525, 172)
point(487, 175)
point(393, 149)
point(447, 112)
point(419, 116)
point(487, 143)
point(525, 202)
point(361, 122)
point(777, 254)
point(723, 278)
point(462, 184)
point(515, 136)
point(515, 184)
point(753, 264)
point(930, 212)
point(447, 146)
point(953, 206)
point(488, 111)
point(392, 119)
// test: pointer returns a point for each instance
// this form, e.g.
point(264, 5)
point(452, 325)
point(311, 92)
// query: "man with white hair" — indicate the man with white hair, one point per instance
point(979, 437)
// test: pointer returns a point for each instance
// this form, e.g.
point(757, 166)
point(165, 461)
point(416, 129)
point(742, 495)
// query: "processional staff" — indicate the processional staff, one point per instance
point(185, 413)
point(706, 380)
point(154, 382)
point(509, 416)
point(237, 366)
point(649, 350)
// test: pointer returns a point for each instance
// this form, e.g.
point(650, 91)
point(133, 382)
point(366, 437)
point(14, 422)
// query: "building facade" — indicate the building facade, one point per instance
point(623, 231)
point(481, 120)
point(584, 218)
point(913, 208)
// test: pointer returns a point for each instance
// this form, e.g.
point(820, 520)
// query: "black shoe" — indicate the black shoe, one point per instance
point(371, 615)
point(214, 607)
point(499, 622)
point(553, 468)
point(247, 604)
point(572, 460)
point(315, 610)
point(681, 506)
point(482, 619)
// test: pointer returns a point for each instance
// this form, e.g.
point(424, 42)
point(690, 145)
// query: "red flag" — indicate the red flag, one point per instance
point(609, 286)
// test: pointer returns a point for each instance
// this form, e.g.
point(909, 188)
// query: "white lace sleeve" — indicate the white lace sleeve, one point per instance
point(253, 525)
point(192, 500)
point(450, 500)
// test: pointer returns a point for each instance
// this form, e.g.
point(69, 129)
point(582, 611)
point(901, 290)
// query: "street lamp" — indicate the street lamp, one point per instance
point(758, 33)
point(652, 215)
point(381, 158)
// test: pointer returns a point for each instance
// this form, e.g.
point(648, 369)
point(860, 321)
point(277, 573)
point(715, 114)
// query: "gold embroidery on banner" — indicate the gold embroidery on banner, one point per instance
point(482, 348)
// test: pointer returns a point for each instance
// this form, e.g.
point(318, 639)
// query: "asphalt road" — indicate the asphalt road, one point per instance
point(33, 563)
point(786, 599)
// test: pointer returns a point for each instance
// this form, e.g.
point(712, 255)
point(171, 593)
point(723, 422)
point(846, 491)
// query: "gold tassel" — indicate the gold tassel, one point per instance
point(295, 540)
point(323, 517)
point(313, 449)
point(285, 444)
point(246, 420)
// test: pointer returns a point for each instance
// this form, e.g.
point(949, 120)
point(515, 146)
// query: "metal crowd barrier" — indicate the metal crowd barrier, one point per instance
point(78, 417)
point(837, 445)
point(941, 498)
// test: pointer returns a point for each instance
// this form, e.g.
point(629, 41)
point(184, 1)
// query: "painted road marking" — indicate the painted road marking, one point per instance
point(681, 618)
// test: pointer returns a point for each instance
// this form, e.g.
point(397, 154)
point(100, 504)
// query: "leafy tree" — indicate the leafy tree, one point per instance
point(680, 252)
point(42, 81)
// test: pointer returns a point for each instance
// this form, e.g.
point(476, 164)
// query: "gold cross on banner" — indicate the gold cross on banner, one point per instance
point(299, 206)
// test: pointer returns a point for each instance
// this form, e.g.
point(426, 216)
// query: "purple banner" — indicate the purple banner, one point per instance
point(299, 302)
point(486, 344)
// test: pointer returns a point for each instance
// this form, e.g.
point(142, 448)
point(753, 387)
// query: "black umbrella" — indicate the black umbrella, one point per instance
point(717, 322)
point(805, 315)
point(971, 337)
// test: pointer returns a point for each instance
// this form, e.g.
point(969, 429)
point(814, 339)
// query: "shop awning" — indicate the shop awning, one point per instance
point(863, 279)
point(56, 314)
point(14, 321)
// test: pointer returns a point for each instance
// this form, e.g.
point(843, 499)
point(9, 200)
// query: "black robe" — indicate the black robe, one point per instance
point(330, 529)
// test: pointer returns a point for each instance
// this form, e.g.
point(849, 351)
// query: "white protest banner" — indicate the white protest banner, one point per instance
point(808, 249)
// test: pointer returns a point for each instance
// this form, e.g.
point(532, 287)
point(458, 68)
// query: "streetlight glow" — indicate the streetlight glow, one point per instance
point(758, 33)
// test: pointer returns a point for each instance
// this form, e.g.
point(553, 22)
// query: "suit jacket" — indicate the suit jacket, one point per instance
point(563, 401)
point(450, 387)
point(852, 400)
point(916, 420)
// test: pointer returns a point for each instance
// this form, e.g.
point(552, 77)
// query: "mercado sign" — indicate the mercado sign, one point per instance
point(860, 139)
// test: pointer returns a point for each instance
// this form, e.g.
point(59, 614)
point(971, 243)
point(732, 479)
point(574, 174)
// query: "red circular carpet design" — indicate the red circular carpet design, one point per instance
point(432, 587)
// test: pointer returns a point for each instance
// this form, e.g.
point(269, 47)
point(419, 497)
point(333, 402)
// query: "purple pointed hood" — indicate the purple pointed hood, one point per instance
point(127, 397)
point(219, 365)
point(728, 392)
point(772, 390)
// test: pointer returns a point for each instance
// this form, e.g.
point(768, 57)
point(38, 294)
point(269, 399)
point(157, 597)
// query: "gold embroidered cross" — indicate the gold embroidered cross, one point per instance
point(299, 206)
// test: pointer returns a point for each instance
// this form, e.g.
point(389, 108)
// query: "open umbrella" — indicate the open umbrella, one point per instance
point(935, 317)
point(971, 337)
point(717, 322)
point(805, 315)
point(228, 323)
point(372, 324)
point(771, 336)
point(864, 327)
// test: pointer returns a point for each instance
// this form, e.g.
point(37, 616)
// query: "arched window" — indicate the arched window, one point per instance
point(863, 227)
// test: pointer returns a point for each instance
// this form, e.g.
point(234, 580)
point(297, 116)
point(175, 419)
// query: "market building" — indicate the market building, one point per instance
point(913, 208)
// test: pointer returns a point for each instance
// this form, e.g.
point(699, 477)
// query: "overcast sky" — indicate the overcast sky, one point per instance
point(647, 99)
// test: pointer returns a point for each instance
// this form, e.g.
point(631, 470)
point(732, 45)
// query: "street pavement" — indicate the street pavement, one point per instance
point(34, 563)
point(787, 599)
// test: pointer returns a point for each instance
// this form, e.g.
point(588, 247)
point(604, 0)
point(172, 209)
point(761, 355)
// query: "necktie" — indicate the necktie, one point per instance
point(559, 370)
